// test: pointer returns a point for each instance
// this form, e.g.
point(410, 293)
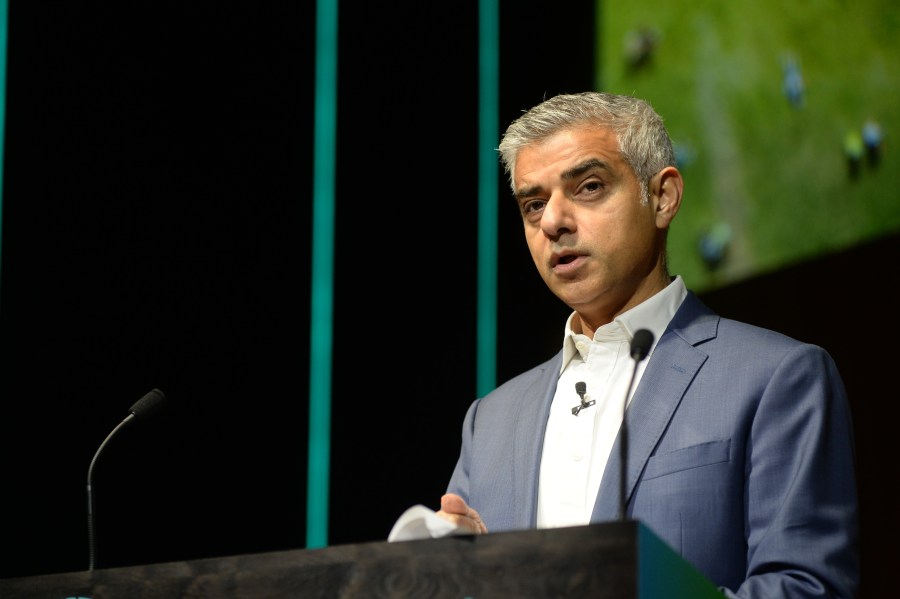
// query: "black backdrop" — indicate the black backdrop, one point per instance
point(157, 233)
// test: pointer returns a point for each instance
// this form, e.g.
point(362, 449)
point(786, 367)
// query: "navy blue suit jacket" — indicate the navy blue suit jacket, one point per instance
point(740, 457)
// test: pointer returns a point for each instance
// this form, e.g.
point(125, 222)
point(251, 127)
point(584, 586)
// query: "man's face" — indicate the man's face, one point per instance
point(595, 243)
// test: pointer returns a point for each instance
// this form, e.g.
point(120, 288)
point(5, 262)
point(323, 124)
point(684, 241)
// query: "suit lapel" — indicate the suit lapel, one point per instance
point(531, 424)
point(672, 366)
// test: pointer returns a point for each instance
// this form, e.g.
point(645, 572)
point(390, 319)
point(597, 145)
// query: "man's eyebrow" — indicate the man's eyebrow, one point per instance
point(567, 175)
point(580, 169)
point(527, 192)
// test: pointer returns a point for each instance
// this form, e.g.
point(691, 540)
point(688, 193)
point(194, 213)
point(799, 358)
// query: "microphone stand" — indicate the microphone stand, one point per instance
point(90, 495)
point(149, 404)
point(640, 347)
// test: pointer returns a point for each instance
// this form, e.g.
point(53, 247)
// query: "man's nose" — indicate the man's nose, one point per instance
point(558, 216)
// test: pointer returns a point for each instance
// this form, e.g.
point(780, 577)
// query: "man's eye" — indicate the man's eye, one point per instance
point(592, 186)
point(532, 206)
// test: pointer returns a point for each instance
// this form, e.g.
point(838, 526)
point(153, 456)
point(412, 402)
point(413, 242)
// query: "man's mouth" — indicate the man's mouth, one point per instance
point(563, 259)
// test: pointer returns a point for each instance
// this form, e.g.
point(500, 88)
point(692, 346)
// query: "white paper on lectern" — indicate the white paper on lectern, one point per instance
point(420, 522)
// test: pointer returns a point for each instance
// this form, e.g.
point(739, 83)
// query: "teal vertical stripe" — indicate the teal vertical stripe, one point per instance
point(325, 114)
point(4, 21)
point(488, 130)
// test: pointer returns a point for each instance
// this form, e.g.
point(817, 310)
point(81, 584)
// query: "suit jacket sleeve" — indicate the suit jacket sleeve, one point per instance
point(800, 495)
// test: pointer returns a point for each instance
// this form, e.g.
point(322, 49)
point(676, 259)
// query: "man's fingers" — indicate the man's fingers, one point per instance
point(454, 505)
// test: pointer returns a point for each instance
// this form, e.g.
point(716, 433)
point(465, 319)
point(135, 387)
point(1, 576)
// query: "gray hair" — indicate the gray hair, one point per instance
point(644, 143)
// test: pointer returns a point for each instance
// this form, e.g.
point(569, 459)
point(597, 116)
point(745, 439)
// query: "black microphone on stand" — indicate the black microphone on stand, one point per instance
point(640, 347)
point(144, 407)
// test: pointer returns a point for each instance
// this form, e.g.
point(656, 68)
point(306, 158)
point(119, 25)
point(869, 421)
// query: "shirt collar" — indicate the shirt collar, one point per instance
point(652, 314)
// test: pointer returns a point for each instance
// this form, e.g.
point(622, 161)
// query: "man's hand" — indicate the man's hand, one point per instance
point(455, 510)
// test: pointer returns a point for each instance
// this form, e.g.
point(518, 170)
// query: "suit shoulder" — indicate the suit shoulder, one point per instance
point(525, 381)
point(701, 326)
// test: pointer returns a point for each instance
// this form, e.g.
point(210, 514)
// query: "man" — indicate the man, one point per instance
point(740, 449)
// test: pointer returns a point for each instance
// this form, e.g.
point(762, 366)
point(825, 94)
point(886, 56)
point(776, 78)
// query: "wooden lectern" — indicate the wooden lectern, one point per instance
point(615, 560)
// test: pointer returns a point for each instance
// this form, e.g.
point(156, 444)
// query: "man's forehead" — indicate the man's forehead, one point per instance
point(568, 153)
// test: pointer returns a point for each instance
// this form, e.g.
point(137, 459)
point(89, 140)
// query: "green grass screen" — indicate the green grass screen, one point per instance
point(784, 116)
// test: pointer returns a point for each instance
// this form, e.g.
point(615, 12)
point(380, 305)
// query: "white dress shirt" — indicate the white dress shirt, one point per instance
point(576, 447)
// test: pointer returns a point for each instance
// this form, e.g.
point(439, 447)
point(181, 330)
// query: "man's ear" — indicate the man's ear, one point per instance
point(667, 187)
